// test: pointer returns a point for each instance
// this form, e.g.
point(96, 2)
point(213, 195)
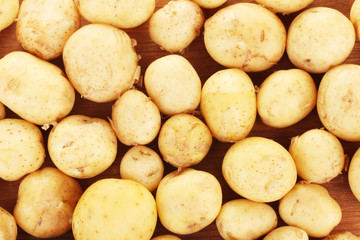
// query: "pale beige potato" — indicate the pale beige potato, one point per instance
point(8, 12)
point(82, 146)
point(143, 165)
point(228, 104)
point(100, 61)
point(245, 219)
point(188, 200)
point(246, 36)
point(287, 233)
point(311, 208)
point(2, 111)
point(286, 97)
point(320, 38)
point(318, 155)
point(338, 101)
point(210, 4)
point(46, 202)
point(166, 237)
point(120, 13)
point(43, 27)
point(342, 236)
point(355, 16)
point(354, 174)
point(259, 169)
point(35, 89)
point(8, 227)
point(115, 209)
point(285, 6)
point(173, 84)
point(135, 118)
point(184, 140)
point(174, 26)
point(22, 148)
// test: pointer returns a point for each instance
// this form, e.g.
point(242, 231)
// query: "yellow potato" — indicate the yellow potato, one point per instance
point(2, 111)
point(342, 236)
point(285, 6)
point(166, 237)
point(210, 4)
point(8, 227)
point(22, 148)
point(355, 16)
point(43, 27)
point(354, 174)
point(287, 233)
point(8, 12)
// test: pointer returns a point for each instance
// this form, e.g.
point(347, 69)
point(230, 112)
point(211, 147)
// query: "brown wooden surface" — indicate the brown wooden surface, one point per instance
point(205, 67)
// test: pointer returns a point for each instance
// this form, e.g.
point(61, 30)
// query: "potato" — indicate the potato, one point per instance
point(259, 169)
point(245, 219)
point(285, 6)
point(34, 89)
point(21, 148)
point(188, 200)
point(311, 208)
point(228, 104)
point(286, 97)
point(2, 111)
point(143, 165)
point(246, 36)
point(210, 4)
point(81, 146)
point(319, 38)
point(354, 174)
point(166, 237)
point(319, 156)
point(287, 233)
point(115, 209)
point(184, 140)
point(8, 12)
point(176, 25)
point(100, 62)
point(8, 227)
point(173, 84)
point(342, 236)
point(338, 102)
point(135, 118)
point(355, 16)
point(43, 27)
point(120, 13)
point(45, 203)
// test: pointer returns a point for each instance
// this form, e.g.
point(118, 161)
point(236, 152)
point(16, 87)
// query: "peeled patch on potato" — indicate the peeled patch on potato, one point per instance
point(8, 227)
point(285, 6)
point(8, 12)
point(286, 233)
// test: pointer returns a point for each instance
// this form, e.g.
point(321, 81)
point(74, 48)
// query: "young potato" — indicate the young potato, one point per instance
point(285, 6)
point(8, 12)
point(2, 111)
point(354, 174)
point(210, 4)
point(355, 16)
point(81, 146)
point(338, 102)
point(120, 13)
point(320, 38)
point(173, 84)
point(100, 62)
point(166, 237)
point(188, 200)
point(8, 227)
point(184, 140)
point(22, 148)
point(135, 118)
point(287, 233)
point(115, 209)
point(228, 104)
point(46, 201)
point(35, 89)
point(259, 169)
point(246, 36)
point(176, 25)
point(342, 236)
point(286, 97)
point(143, 165)
point(311, 208)
point(245, 219)
point(43, 27)
point(318, 155)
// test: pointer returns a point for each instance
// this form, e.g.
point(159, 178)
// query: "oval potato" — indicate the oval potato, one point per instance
point(210, 4)
point(342, 236)
point(8, 227)
point(354, 174)
point(166, 237)
point(9, 10)
point(2, 111)
point(355, 16)
point(287, 233)
point(285, 6)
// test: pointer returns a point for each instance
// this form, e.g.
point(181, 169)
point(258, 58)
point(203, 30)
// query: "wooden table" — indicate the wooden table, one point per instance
point(205, 67)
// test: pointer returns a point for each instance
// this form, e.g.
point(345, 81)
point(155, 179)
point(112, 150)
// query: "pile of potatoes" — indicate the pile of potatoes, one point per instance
point(164, 119)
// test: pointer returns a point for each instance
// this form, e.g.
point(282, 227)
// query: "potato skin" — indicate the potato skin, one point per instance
point(8, 227)
point(9, 11)
point(287, 233)
point(285, 6)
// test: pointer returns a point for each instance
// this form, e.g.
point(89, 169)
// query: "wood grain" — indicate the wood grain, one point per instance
point(205, 66)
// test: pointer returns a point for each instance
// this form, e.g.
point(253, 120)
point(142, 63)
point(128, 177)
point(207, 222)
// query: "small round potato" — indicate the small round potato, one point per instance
point(320, 38)
point(188, 200)
point(135, 118)
point(184, 140)
point(2, 111)
point(143, 165)
point(22, 148)
point(354, 174)
point(8, 12)
point(228, 104)
point(342, 236)
point(287, 233)
point(46, 202)
point(43, 27)
point(355, 16)
point(245, 219)
point(259, 169)
point(100, 62)
point(82, 147)
point(338, 101)
point(311, 208)
point(210, 4)
point(318, 155)
point(246, 36)
point(115, 209)
point(174, 26)
point(166, 237)
point(286, 97)
point(173, 84)
point(8, 227)
point(285, 6)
